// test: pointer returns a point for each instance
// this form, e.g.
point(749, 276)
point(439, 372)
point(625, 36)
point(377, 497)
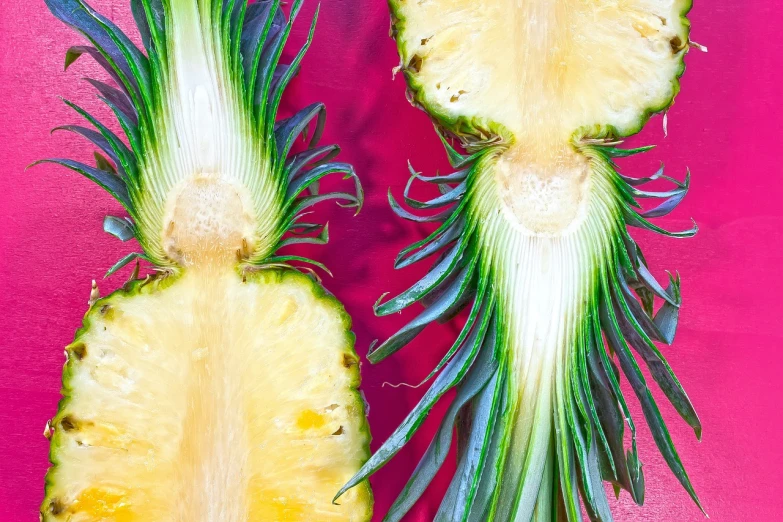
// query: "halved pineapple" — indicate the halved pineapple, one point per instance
point(537, 67)
point(533, 241)
point(210, 397)
point(224, 388)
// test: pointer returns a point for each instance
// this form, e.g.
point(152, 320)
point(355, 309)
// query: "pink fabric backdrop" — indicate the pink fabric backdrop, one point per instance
point(725, 126)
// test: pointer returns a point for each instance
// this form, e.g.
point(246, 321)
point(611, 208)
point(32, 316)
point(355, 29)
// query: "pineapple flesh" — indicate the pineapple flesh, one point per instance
point(209, 397)
point(543, 70)
point(534, 244)
point(224, 387)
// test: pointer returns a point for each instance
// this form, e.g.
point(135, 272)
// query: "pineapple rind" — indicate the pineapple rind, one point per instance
point(476, 133)
point(157, 283)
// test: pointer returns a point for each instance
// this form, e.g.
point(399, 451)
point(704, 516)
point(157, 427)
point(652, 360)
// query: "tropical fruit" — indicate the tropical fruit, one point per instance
point(224, 387)
point(533, 240)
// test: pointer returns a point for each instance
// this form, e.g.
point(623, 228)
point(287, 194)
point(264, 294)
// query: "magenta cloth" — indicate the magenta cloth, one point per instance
point(725, 127)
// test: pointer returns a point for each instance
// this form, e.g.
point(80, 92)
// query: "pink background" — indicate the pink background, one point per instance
point(724, 126)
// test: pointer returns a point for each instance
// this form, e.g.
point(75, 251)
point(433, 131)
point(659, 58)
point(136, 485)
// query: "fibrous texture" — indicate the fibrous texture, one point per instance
point(533, 245)
point(224, 387)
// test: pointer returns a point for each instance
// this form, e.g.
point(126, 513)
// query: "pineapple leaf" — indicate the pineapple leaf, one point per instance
point(652, 284)
point(286, 131)
point(437, 275)
point(97, 139)
point(449, 231)
point(75, 52)
point(133, 256)
point(110, 182)
point(121, 228)
point(463, 490)
point(634, 182)
point(635, 220)
point(117, 98)
point(312, 158)
point(259, 21)
point(651, 412)
point(481, 380)
point(307, 178)
point(321, 239)
point(266, 68)
point(609, 401)
point(461, 285)
point(409, 216)
point(140, 17)
point(78, 16)
point(103, 163)
point(452, 375)
point(614, 152)
point(453, 194)
point(659, 368)
point(285, 259)
point(124, 156)
point(667, 316)
point(308, 201)
point(287, 72)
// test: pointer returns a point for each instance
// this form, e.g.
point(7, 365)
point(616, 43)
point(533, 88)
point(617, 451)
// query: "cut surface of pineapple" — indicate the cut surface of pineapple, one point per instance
point(542, 69)
point(210, 398)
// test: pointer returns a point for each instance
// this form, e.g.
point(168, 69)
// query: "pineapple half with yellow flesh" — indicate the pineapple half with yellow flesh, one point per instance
point(533, 241)
point(225, 387)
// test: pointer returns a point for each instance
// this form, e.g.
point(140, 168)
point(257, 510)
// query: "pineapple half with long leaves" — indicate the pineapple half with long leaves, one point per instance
point(533, 241)
point(225, 386)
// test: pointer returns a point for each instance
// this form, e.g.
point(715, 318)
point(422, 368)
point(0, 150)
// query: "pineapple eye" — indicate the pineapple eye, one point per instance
point(79, 351)
point(68, 423)
point(56, 507)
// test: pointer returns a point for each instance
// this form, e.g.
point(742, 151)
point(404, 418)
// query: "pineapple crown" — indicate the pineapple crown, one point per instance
point(621, 317)
point(249, 41)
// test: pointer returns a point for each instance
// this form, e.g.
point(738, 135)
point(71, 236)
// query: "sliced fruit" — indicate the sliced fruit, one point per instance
point(235, 400)
point(533, 241)
point(225, 386)
point(542, 68)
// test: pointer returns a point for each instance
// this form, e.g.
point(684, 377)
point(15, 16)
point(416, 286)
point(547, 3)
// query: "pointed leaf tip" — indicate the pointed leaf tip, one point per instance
point(33, 164)
point(124, 261)
point(378, 302)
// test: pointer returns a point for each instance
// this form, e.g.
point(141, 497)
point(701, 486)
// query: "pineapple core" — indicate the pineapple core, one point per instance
point(543, 194)
point(209, 219)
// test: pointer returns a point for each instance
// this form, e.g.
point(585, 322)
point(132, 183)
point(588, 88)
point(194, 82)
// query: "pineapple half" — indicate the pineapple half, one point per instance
point(224, 388)
point(533, 241)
